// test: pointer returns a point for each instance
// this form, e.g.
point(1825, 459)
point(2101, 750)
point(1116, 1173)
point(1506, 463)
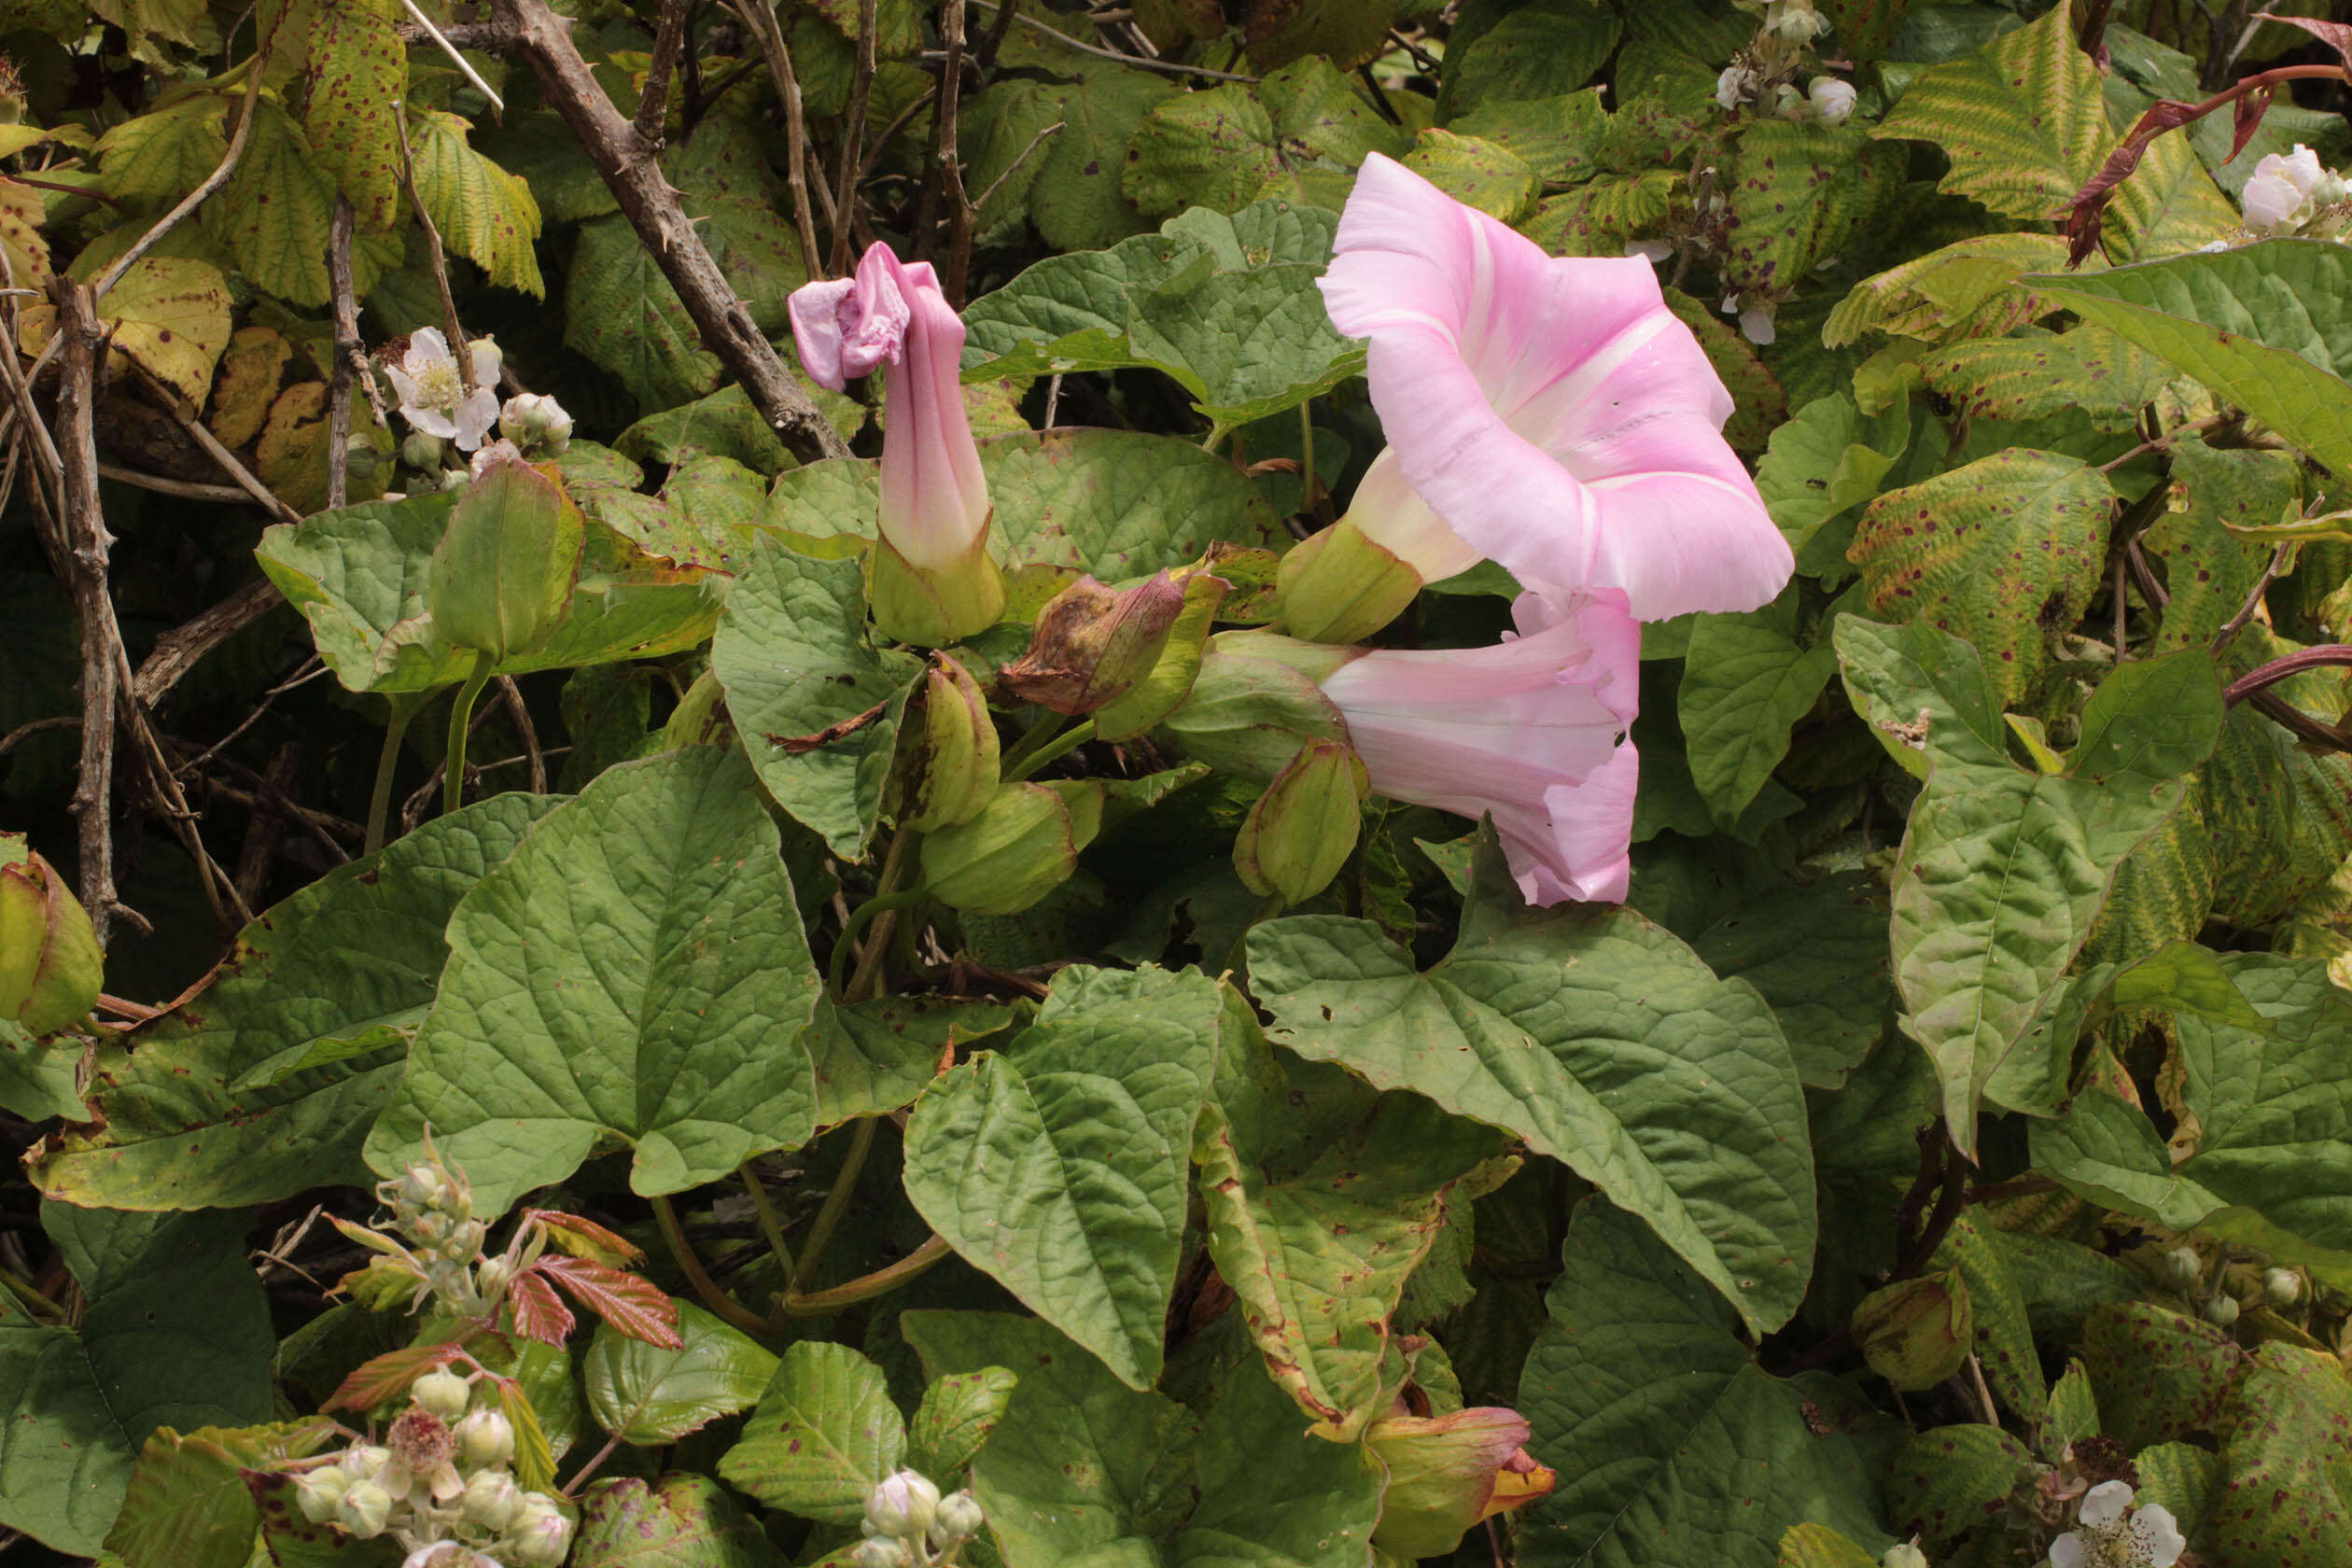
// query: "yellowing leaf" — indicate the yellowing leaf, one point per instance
point(2023, 119)
point(171, 315)
point(291, 455)
point(483, 213)
point(276, 213)
point(249, 384)
point(358, 72)
point(164, 154)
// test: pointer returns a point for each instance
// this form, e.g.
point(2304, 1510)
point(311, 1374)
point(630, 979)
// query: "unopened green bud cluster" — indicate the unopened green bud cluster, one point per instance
point(909, 1524)
point(432, 1206)
point(441, 1478)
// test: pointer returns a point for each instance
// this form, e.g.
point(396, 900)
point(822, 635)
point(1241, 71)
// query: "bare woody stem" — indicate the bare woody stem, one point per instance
point(86, 541)
point(544, 40)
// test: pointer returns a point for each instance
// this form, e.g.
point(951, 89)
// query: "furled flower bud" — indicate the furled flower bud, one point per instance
point(363, 1508)
point(1092, 642)
point(1831, 99)
point(951, 765)
point(2181, 1269)
point(536, 424)
point(540, 1535)
point(1163, 688)
point(902, 1506)
point(49, 963)
point(1303, 828)
point(319, 1493)
point(2282, 1287)
point(933, 580)
point(1022, 846)
point(1341, 586)
point(1446, 1473)
point(959, 1518)
point(1915, 1333)
point(492, 1501)
point(443, 1393)
point(501, 578)
point(485, 1438)
point(2221, 1311)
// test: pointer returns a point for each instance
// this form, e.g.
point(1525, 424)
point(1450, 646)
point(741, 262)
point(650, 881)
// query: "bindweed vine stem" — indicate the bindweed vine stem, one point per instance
point(387, 763)
point(1059, 747)
point(820, 1230)
point(460, 719)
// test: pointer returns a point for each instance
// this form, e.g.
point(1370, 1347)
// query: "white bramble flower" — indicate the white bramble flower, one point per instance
point(1832, 101)
point(1736, 82)
point(2110, 1534)
point(2278, 196)
point(432, 392)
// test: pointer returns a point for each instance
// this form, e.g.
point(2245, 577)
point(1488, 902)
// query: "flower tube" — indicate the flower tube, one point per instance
point(933, 580)
point(1550, 414)
point(1530, 731)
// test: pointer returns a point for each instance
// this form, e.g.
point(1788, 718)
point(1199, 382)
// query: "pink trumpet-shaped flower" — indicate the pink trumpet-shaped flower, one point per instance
point(1548, 412)
point(934, 506)
point(1529, 730)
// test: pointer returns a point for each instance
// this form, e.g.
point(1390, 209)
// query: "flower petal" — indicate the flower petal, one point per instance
point(1588, 857)
point(1509, 382)
point(2105, 1503)
point(426, 347)
point(2068, 1551)
point(815, 311)
point(2156, 1536)
point(475, 415)
point(430, 421)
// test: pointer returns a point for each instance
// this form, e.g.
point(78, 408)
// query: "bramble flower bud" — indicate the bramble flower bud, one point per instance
point(959, 1519)
point(501, 578)
point(902, 1506)
point(465, 1241)
point(1303, 828)
point(492, 1501)
point(423, 452)
point(317, 1493)
point(2282, 1287)
point(49, 963)
point(2221, 1311)
point(879, 1551)
point(541, 1534)
point(1903, 1554)
point(1832, 101)
point(485, 1438)
point(421, 1187)
point(363, 1508)
point(536, 424)
point(443, 1393)
point(364, 1461)
point(493, 1276)
point(2181, 1269)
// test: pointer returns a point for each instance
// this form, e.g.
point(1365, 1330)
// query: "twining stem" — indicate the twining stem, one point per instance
point(2286, 668)
point(460, 718)
point(820, 1230)
point(770, 1226)
point(706, 1288)
point(883, 905)
point(859, 918)
point(867, 1286)
point(1022, 767)
point(380, 803)
point(1037, 734)
point(1307, 501)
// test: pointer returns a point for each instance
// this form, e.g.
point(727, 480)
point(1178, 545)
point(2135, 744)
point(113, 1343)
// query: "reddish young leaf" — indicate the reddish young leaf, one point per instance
point(585, 1239)
point(2247, 120)
point(381, 1378)
point(633, 1305)
point(539, 1313)
point(2335, 34)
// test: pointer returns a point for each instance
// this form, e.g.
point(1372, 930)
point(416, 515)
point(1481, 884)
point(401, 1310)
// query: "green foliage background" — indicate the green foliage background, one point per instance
point(1982, 935)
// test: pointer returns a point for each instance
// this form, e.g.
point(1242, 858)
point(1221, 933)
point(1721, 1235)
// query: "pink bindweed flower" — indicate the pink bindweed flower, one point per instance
point(1548, 412)
point(934, 581)
point(1529, 730)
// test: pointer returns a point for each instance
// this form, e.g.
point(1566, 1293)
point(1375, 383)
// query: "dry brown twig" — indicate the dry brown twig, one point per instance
point(543, 39)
